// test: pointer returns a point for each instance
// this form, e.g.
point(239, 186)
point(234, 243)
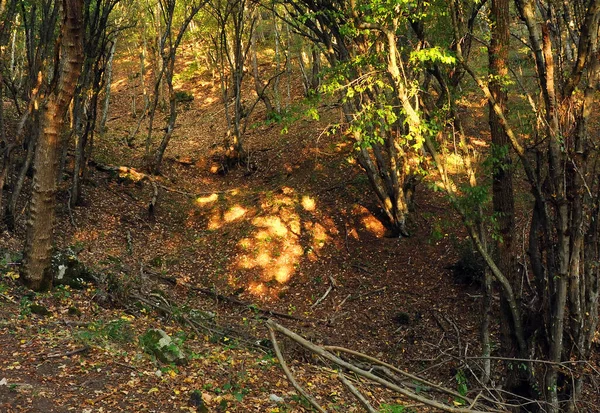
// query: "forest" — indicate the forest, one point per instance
point(299, 206)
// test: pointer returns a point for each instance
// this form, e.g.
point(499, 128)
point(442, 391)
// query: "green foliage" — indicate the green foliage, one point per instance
point(461, 386)
point(432, 55)
point(181, 96)
point(498, 159)
point(101, 333)
point(394, 408)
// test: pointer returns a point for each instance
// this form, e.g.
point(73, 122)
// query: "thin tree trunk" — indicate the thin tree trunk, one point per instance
point(38, 243)
point(11, 208)
point(502, 186)
point(160, 152)
point(107, 87)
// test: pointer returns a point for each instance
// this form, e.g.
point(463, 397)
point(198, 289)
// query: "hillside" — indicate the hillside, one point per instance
point(295, 236)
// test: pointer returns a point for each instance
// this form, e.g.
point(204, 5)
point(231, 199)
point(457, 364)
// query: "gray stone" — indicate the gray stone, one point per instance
point(158, 343)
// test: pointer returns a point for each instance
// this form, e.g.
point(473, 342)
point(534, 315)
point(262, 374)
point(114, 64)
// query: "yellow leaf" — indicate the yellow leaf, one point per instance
point(153, 390)
point(12, 275)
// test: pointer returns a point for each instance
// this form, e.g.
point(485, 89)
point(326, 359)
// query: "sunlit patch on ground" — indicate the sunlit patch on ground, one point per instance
point(368, 222)
point(279, 233)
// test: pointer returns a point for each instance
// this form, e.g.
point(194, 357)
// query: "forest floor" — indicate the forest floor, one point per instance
point(275, 236)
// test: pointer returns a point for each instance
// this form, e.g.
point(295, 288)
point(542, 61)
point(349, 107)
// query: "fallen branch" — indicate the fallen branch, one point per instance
point(324, 296)
point(66, 354)
point(232, 300)
point(289, 374)
point(196, 326)
point(398, 371)
point(363, 295)
point(368, 375)
point(356, 393)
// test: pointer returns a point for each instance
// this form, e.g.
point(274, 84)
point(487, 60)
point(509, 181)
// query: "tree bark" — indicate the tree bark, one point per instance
point(502, 185)
point(38, 243)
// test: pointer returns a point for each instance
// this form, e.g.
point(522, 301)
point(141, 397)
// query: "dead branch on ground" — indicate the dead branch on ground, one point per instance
point(65, 354)
point(332, 285)
point(365, 403)
point(218, 296)
point(289, 374)
point(474, 407)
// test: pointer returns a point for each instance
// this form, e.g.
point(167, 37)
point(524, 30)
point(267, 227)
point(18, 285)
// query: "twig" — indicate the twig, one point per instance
point(289, 374)
point(218, 296)
point(339, 306)
point(66, 354)
point(324, 296)
point(356, 393)
point(7, 298)
point(377, 291)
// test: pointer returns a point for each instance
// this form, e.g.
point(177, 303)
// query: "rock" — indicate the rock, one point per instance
point(158, 343)
point(68, 270)
point(276, 399)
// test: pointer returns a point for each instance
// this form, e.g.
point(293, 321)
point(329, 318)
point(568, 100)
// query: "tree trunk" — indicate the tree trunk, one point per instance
point(502, 186)
point(108, 73)
point(38, 243)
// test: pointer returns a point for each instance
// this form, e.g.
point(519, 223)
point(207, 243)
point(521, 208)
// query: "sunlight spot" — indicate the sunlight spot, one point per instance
point(245, 243)
point(319, 234)
point(308, 203)
point(246, 263)
point(373, 225)
point(235, 212)
point(263, 259)
point(263, 236)
point(274, 225)
point(215, 221)
point(283, 273)
point(295, 227)
point(257, 289)
point(207, 199)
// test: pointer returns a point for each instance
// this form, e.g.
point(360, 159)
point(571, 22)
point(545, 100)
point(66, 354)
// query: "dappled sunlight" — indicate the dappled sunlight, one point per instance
point(273, 226)
point(216, 221)
point(257, 289)
point(206, 200)
point(454, 163)
point(234, 213)
point(280, 229)
point(479, 142)
point(308, 203)
point(367, 222)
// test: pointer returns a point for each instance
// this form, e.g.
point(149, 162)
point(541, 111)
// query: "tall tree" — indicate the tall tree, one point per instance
point(502, 185)
point(38, 243)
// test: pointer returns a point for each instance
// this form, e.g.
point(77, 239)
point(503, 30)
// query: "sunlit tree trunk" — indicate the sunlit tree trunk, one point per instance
point(38, 243)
